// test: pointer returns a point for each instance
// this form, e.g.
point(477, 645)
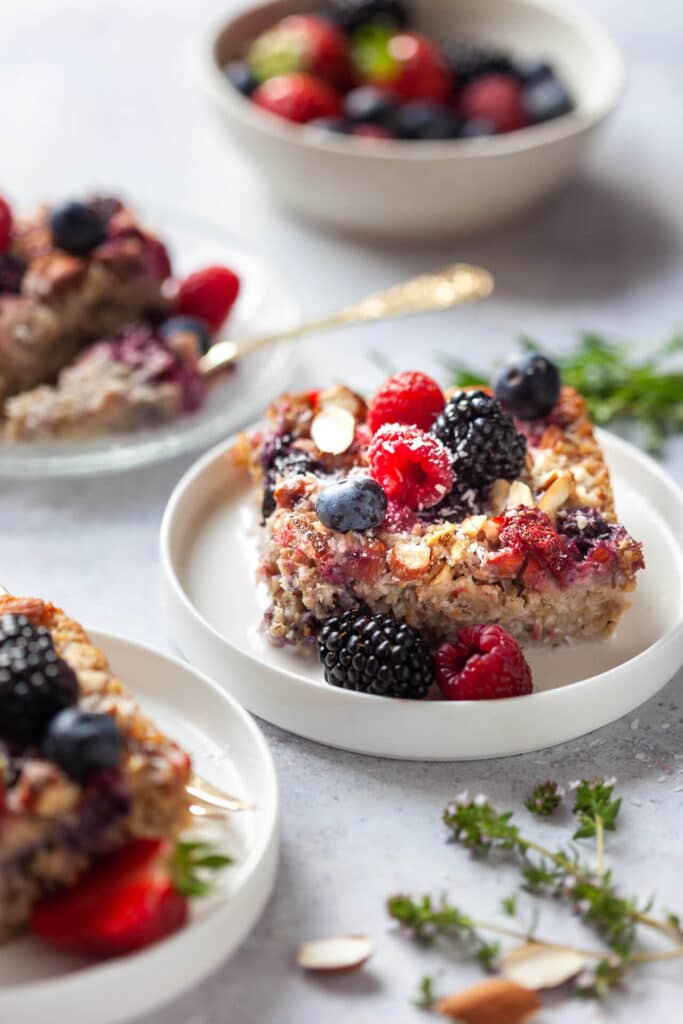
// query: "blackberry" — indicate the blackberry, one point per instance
point(583, 526)
point(11, 273)
point(35, 683)
point(279, 460)
point(469, 60)
point(350, 15)
point(375, 654)
point(483, 441)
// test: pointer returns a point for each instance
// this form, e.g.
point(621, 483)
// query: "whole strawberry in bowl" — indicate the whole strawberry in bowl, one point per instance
point(413, 118)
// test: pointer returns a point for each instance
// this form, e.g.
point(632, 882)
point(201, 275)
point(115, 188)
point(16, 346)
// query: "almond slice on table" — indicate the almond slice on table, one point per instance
point(335, 955)
point(495, 1001)
point(333, 430)
point(539, 967)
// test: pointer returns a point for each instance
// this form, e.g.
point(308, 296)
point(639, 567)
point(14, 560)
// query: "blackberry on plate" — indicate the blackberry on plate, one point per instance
point(468, 60)
point(350, 15)
point(482, 439)
point(528, 387)
point(279, 460)
point(35, 683)
point(82, 743)
point(375, 654)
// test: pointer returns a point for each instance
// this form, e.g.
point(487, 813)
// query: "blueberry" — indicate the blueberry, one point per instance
point(82, 742)
point(355, 504)
point(370, 105)
point(240, 76)
point(336, 125)
point(529, 70)
point(528, 387)
point(187, 325)
point(77, 228)
point(423, 119)
point(546, 100)
point(478, 128)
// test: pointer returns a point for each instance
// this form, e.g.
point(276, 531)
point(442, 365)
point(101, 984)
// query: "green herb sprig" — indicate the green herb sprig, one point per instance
point(192, 867)
point(560, 873)
point(616, 384)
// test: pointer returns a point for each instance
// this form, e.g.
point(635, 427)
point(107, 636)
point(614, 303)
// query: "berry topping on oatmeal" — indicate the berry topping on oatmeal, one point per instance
point(77, 228)
point(411, 398)
point(483, 441)
point(83, 743)
point(530, 534)
point(375, 654)
point(5, 224)
point(358, 503)
point(412, 467)
point(528, 387)
point(482, 663)
point(209, 294)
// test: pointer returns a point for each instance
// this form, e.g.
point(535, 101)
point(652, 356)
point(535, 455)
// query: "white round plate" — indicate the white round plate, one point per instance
point(38, 984)
point(214, 609)
point(264, 304)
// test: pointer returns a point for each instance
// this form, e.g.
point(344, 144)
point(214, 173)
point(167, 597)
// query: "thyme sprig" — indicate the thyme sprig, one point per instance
point(192, 867)
point(545, 798)
point(560, 873)
point(615, 384)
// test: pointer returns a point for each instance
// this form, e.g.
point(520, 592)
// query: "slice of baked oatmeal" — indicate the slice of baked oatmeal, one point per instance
point(487, 518)
point(82, 769)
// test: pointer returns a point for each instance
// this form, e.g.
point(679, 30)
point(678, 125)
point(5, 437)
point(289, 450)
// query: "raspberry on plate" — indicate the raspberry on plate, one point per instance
point(497, 98)
point(409, 397)
point(413, 468)
point(482, 663)
point(303, 42)
point(209, 294)
point(298, 97)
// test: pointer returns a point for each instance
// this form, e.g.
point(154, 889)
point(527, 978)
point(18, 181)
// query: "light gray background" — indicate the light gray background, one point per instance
point(103, 92)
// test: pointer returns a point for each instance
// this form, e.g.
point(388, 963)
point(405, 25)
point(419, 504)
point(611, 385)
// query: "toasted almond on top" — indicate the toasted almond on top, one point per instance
point(537, 966)
point(333, 430)
point(409, 559)
point(520, 494)
point(557, 494)
point(341, 397)
point(494, 1001)
point(335, 955)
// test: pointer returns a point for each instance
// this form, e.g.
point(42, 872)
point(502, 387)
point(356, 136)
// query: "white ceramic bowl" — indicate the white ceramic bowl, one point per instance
point(427, 189)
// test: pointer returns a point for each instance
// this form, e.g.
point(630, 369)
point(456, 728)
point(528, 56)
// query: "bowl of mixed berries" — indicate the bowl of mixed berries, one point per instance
point(412, 118)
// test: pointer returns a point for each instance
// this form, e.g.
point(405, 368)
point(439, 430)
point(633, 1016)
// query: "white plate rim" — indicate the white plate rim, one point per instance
point(264, 854)
point(173, 592)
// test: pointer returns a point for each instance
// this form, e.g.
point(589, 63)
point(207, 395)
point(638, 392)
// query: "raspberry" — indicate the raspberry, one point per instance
point(299, 97)
point(482, 663)
point(497, 98)
point(209, 294)
point(5, 224)
point(529, 533)
point(413, 468)
point(399, 518)
point(409, 397)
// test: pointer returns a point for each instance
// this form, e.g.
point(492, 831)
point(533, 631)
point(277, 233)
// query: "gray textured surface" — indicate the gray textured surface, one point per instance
point(103, 93)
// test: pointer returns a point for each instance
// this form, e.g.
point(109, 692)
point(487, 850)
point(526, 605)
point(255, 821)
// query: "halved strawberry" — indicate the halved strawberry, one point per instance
point(302, 42)
point(298, 97)
point(407, 63)
point(124, 903)
point(209, 294)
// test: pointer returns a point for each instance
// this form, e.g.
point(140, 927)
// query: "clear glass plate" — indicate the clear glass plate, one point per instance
point(265, 303)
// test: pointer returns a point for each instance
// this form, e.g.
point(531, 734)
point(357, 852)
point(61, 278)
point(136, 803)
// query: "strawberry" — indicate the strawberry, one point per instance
point(497, 98)
point(208, 294)
point(407, 63)
point(5, 224)
point(298, 97)
point(125, 902)
point(303, 42)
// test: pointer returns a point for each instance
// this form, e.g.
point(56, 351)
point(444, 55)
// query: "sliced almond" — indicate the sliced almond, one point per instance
point(333, 430)
point(495, 1001)
point(335, 955)
point(539, 967)
point(520, 494)
point(499, 495)
point(557, 494)
point(409, 560)
point(342, 397)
